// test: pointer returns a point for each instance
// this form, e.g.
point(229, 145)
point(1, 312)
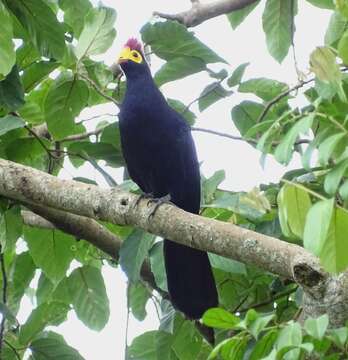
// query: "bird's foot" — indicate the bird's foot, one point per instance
point(143, 196)
point(158, 202)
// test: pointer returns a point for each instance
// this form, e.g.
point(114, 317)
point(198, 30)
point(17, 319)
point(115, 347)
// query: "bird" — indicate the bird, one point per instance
point(161, 159)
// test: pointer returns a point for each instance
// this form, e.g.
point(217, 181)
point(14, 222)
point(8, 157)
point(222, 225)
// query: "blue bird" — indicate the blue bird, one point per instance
point(161, 158)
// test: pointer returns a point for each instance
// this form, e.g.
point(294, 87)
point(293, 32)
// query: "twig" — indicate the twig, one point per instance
point(85, 135)
point(98, 90)
point(269, 301)
point(50, 152)
point(281, 96)
point(4, 298)
point(13, 349)
point(201, 12)
point(95, 117)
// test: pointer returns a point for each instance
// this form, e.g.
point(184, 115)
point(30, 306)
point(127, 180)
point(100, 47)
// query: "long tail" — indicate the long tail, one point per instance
point(190, 279)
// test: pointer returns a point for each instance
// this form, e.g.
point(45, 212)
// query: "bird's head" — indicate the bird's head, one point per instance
point(132, 59)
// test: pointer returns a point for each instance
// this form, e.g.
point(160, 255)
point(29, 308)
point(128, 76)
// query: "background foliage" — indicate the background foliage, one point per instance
point(47, 77)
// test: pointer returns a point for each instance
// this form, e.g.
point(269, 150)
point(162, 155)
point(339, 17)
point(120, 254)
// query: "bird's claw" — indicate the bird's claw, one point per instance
point(143, 196)
point(158, 202)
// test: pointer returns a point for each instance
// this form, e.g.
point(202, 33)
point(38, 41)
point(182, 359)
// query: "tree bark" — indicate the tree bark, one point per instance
point(201, 12)
point(322, 292)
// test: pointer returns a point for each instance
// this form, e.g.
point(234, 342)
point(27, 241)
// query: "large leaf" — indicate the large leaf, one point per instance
point(170, 40)
point(138, 297)
point(72, 13)
point(237, 75)
point(328, 146)
point(52, 313)
point(183, 110)
point(37, 72)
point(144, 346)
point(245, 115)
point(325, 235)
point(294, 204)
point(11, 91)
point(323, 4)
point(133, 252)
point(45, 31)
point(9, 123)
point(64, 101)
point(211, 94)
point(178, 68)
point(317, 327)
point(343, 48)
point(283, 152)
point(220, 318)
point(51, 251)
point(98, 32)
point(237, 17)
point(334, 177)
point(337, 26)
point(266, 89)
point(277, 21)
point(22, 273)
point(47, 348)
point(10, 227)
point(8, 55)
point(89, 298)
point(157, 265)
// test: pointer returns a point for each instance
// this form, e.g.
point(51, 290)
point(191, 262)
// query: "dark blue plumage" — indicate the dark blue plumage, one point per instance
point(161, 158)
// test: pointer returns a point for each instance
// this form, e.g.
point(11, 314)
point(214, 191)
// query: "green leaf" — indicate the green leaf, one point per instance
point(157, 265)
point(317, 327)
point(284, 150)
point(317, 225)
point(328, 146)
point(245, 115)
point(178, 68)
point(210, 185)
point(52, 313)
point(234, 349)
point(47, 348)
point(294, 204)
point(337, 26)
point(228, 265)
point(133, 252)
point(323, 4)
point(170, 40)
point(258, 325)
point(34, 74)
point(220, 318)
point(95, 151)
point(211, 94)
point(183, 110)
point(11, 228)
point(343, 48)
point(63, 103)
point(98, 33)
point(51, 251)
point(22, 273)
point(237, 17)
point(323, 64)
point(237, 75)
point(334, 177)
point(187, 343)
point(8, 55)
point(45, 31)
point(291, 335)
point(9, 123)
point(277, 21)
point(264, 346)
point(11, 91)
point(72, 13)
point(138, 297)
point(339, 336)
point(144, 347)
point(266, 89)
point(89, 298)
point(342, 7)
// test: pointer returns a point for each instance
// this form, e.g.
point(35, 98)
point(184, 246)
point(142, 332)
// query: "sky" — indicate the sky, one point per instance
point(240, 161)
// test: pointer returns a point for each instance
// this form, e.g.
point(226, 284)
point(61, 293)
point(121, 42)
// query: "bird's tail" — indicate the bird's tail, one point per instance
point(190, 279)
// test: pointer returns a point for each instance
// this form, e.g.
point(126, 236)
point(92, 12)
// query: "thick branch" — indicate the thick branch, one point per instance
point(201, 12)
point(117, 206)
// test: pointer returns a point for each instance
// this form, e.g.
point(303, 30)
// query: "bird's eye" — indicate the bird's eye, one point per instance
point(135, 54)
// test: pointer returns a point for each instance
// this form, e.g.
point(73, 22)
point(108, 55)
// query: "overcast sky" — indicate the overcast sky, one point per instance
point(240, 161)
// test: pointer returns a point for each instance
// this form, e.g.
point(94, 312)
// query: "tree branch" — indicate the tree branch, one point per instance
point(201, 12)
point(117, 206)
point(84, 228)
